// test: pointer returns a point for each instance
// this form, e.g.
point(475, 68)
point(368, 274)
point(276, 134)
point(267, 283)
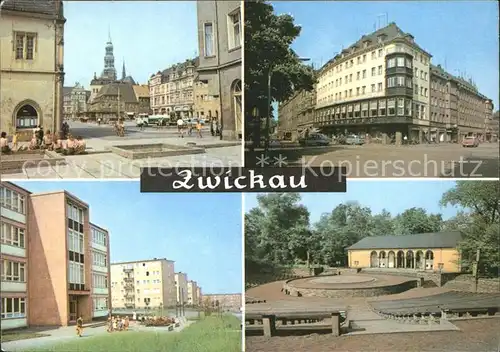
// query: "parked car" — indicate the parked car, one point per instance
point(315, 139)
point(354, 140)
point(470, 142)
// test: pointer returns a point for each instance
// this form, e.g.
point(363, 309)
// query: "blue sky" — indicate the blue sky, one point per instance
point(464, 34)
point(201, 232)
point(394, 196)
point(149, 35)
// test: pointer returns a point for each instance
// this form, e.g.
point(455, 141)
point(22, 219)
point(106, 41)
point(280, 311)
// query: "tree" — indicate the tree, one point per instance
point(278, 230)
point(479, 222)
point(344, 226)
point(416, 220)
point(382, 224)
point(268, 38)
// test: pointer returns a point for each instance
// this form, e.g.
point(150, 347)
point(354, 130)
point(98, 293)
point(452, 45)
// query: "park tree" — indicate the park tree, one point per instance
point(479, 222)
point(382, 224)
point(268, 40)
point(344, 226)
point(278, 228)
point(417, 220)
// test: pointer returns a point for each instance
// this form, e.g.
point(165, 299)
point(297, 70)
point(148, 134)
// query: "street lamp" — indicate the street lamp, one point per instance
point(268, 117)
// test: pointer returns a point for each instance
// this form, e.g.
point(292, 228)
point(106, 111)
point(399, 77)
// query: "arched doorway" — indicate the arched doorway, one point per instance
point(391, 259)
point(400, 259)
point(429, 260)
point(27, 117)
point(382, 259)
point(373, 260)
point(237, 106)
point(419, 259)
point(409, 260)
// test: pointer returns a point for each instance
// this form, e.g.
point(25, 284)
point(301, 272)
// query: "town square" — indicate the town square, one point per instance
point(98, 109)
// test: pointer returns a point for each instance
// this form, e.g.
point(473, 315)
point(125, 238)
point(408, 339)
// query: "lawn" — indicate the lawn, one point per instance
point(211, 334)
point(15, 336)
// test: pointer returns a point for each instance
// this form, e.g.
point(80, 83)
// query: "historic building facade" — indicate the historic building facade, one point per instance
point(114, 101)
point(34, 30)
point(219, 41)
point(75, 101)
point(206, 106)
point(426, 252)
point(385, 86)
point(171, 90)
point(379, 86)
point(296, 115)
point(457, 108)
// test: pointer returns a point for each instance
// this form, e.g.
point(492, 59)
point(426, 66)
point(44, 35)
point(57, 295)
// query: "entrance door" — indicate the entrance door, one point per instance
point(73, 308)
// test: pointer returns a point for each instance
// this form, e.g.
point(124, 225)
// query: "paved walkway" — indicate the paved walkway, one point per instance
point(68, 333)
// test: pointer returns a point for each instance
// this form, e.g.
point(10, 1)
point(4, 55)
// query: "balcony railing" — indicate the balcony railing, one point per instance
point(128, 279)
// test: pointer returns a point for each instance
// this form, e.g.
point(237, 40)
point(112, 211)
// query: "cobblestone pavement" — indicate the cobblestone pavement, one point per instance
point(100, 163)
point(376, 160)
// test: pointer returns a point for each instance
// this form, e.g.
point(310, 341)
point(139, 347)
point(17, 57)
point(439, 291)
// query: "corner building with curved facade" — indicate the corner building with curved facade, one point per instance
point(31, 62)
point(382, 86)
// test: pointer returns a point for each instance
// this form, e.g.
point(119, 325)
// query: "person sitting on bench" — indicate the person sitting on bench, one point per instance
point(4, 144)
point(33, 143)
point(48, 141)
point(57, 144)
point(80, 145)
point(70, 146)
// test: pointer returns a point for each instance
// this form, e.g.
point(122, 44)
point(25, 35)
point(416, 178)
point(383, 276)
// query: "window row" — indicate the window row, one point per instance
point(98, 237)
point(75, 213)
point(399, 62)
point(100, 303)
point(361, 59)
point(13, 308)
point(99, 259)
point(75, 242)
point(76, 273)
point(13, 271)
point(393, 107)
point(12, 235)
point(99, 281)
point(12, 200)
point(399, 81)
point(423, 74)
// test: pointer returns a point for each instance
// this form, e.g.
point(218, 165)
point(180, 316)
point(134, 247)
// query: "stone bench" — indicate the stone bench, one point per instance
point(293, 321)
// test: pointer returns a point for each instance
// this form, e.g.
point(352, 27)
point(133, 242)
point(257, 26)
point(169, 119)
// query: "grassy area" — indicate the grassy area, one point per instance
point(211, 334)
point(19, 335)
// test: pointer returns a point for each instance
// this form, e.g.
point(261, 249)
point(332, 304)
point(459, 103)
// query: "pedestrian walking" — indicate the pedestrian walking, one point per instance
point(198, 128)
point(180, 127)
point(79, 326)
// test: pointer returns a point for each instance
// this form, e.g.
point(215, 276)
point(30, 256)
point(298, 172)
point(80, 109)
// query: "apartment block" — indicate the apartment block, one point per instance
point(181, 281)
point(296, 115)
point(101, 289)
point(458, 109)
point(230, 301)
point(192, 289)
point(52, 233)
point(143, 284)
point(199, 294)
point(15, 210)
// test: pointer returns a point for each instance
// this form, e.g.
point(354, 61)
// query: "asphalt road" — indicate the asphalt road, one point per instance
point(436, 160)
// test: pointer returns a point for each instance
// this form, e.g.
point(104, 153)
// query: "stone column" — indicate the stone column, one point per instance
point(269, 324)
point(384, 138)
point(336, 324)
point(399, 138)
point(415, 261)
